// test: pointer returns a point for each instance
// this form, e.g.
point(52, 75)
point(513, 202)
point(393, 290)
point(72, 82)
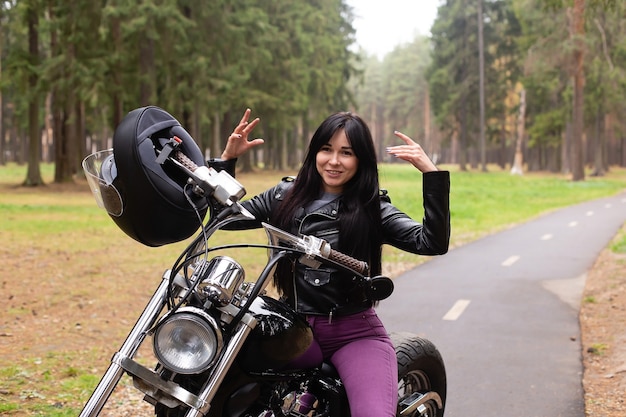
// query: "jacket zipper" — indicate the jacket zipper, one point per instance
point(294, 277)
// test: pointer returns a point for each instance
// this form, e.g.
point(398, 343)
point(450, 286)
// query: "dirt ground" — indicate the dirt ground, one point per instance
point(603, 327)
point(62, 316)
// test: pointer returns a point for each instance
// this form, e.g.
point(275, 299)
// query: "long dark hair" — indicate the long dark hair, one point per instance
point(361, 230)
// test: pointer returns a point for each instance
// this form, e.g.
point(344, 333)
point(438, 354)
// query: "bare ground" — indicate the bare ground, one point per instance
point(62, 314)
point(603, 327)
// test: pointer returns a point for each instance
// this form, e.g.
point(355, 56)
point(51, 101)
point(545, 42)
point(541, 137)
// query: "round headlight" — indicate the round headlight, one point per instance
point(188, 341)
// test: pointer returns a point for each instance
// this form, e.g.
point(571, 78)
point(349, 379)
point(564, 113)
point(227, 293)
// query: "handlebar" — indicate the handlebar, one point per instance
point(221, 185)
point(314, 247)
point(184, 160)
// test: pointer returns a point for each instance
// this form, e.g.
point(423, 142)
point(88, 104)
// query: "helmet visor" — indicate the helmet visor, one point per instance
point(100, 171)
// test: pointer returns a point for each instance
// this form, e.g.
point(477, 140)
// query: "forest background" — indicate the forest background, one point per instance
point(522, 84)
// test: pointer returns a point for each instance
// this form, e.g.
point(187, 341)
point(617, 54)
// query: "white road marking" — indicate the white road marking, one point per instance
point(457, 309)
point(608, 205)
point(573, 224)
point(510, 260)
point(589, 213)
point(547, 236)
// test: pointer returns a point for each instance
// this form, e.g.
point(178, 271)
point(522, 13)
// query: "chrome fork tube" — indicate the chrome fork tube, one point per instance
point(209, 390)
point(115, 371)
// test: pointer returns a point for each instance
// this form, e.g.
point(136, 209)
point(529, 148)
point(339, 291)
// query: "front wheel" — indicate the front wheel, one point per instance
point(421, 376)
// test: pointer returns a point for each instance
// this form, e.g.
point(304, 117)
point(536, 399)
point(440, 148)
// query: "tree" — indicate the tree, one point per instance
point(450, 76)
point(2, 26)
point(33, 174)
point(481, 87)
point(456, 72)
point(518, 161)
point(568, 78)
point(604, 88)
point(405, 89)
point(543, 44)
point(578, 32)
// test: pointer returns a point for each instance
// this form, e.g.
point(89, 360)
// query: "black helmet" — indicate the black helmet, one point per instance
point(148, 200)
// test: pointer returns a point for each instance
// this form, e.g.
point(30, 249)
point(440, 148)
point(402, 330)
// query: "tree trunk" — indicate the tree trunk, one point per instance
point(503, 159)
point(454, 147)
point(146, 68)
point(283, 150)
point(429, 143)
point(2, 159)
point(63, 144)
point(623, 158)
point(33, 175)
point(48, 137)
point(577, 162)
point(216, 145)
point(599, 145)
point(62, 105)
point(518, 161)
point(463, 148)
point(118, 106)
point(80, 139)
point(481, 94)
point(566, 142)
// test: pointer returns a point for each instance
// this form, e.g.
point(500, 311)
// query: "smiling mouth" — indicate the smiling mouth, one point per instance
point(333, 172)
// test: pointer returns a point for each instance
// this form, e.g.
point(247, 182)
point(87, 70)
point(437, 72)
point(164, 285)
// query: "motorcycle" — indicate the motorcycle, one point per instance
point(222, 345)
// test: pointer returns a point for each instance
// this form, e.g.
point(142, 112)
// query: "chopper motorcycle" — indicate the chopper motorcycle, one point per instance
point(221, 344)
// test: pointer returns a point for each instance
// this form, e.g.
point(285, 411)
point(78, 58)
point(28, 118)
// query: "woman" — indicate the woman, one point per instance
point(336, 197)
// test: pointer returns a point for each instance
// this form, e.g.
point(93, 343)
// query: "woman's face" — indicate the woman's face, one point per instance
point(336, 163)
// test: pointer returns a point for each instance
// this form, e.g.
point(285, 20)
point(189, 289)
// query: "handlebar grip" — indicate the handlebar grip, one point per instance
point(348, 261)
point(184, 160)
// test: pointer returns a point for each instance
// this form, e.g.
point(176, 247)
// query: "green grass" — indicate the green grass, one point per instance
point(619, 243)
point(45, 385)
point(598, 349)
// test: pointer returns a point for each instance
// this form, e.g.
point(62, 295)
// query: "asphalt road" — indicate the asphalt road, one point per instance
point(503, 312)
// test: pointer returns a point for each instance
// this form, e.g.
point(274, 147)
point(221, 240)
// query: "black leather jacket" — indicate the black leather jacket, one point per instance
point(326, 291)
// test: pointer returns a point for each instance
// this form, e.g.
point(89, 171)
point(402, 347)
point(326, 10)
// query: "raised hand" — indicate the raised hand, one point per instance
point(412, 152)
point(238, 142)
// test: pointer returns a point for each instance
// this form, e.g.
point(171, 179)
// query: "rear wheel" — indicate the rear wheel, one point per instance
point(421, 376)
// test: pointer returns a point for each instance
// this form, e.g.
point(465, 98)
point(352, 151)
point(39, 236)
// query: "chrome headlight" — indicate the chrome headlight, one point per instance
point(187, 342)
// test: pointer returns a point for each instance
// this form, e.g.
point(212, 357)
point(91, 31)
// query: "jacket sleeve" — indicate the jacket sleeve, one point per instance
point(261, 207)
point(223, 165)
point(432, 236)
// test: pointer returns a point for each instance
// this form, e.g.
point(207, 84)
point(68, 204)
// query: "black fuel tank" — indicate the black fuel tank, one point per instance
point(280, 336)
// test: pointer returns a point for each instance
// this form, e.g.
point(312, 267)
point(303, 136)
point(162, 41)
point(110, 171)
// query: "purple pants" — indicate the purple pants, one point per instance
point(361, 351)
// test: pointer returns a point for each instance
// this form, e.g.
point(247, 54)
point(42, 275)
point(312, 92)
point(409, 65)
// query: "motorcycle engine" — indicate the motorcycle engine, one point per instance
point(298, 403)
point(295, 404)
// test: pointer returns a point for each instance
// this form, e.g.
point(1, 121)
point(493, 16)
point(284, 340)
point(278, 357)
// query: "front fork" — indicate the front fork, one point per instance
point(112, 376)
point(198, 405)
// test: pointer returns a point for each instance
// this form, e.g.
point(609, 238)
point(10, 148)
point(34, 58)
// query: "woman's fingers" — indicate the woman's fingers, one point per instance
point(411, 152)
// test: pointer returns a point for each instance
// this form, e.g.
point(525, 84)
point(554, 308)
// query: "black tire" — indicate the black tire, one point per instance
point(420, 369)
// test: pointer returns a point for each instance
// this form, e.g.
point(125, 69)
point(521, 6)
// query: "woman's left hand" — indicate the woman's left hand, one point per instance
point(412, 152)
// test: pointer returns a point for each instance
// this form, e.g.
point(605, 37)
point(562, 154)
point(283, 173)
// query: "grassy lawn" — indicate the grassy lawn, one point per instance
point(73, 283)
